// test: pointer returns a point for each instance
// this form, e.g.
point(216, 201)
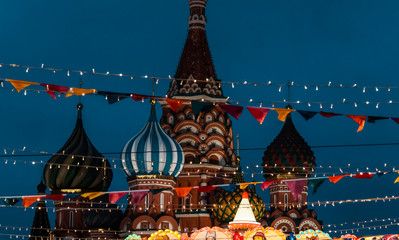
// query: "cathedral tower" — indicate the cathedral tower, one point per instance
point(205, 137)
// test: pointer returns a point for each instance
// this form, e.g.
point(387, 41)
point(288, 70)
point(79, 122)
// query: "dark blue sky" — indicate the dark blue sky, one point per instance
point(308, 42)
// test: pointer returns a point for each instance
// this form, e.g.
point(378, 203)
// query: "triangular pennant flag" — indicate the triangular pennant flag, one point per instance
point(79, 91)
point(316, 183)
point(258, 113)
point(363, 175)
point(266, 184)
point(245, 185)
point(113, 97)
point(228, 188)
point(329, 114)
point(397, 180)
point(283, 113)
point(197, 106)
point(336, 179)
point(57, 197)
point(307, 114)
point(19, 85)
point(114, 197)
point(234, 111)
point(380, 173)
point(52, 89)
point(206, 189)
point(92, 195)
point(138, 196)
point(183, 191)
point(396, 120)
point(296, 187)
point(156, 191)
point(372, 119)
point(27, 201)
point(11, 201)
point(139, 97)
point(359, 120)
point(174, 104)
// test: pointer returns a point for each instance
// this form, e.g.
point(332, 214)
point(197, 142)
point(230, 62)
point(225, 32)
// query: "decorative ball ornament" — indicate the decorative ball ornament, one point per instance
point(226, 206)
point(165, 235)
point(261, 233)
point(133, 237)
point(312, 234)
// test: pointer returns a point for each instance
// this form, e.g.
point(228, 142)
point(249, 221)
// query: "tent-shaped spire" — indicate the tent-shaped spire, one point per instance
point(41, 225)
point(244, 218)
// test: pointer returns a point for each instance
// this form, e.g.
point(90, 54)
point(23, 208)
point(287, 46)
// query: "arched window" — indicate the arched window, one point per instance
point(162, 202)
point(285, 202)
point(71, 219)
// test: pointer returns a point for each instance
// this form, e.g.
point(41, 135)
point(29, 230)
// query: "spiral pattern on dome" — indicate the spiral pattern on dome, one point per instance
point(78, 166)
point(152, 152)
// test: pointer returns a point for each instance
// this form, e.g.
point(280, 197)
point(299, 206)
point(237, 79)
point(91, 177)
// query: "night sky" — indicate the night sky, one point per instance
point(308, 42)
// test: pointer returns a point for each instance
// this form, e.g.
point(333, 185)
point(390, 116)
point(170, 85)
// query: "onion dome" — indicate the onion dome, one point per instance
point(288, 153)
point(78, 166)
point(226, 206)
point(103, 216)
point(152, 151)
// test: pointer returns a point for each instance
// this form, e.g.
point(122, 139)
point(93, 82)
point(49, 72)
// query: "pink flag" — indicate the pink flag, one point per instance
point(296, 187)
point(114, 197)
point(234, 111)
point(258, 113)
point(266, 184)
point(51, 89)
point(137, 197)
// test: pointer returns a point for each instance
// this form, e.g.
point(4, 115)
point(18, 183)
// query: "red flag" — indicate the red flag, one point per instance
point(138, 97)
point(58, 197)
point(138, 196)
point(114, 197)
point(206, 189)
point(233, 110)
point(174, 103)
point(296, 187)
point(336, 179)
point(183, 191)
point(51, 89)
point(267, 184)
point(363, 175)
point(396, 120)
point(29, 201)
point(359, 120)
point(258, 113)
point(329, 114)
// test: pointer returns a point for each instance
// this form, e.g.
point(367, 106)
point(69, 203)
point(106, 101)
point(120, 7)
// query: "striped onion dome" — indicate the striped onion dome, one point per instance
point(152, 152)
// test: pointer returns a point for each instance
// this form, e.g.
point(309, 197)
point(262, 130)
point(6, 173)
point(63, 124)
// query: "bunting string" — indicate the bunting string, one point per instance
point(68, 72)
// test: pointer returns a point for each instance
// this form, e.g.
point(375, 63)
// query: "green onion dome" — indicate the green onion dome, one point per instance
point(288, 153)
point(78, 166)
point(225, 207)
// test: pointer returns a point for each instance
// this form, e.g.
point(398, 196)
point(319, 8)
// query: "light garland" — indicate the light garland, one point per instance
point(361, 222)
point(232, 83)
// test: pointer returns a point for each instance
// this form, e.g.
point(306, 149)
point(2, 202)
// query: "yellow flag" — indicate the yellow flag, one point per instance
point(92, 195)
point(282, 113)
point(19, 85)
point(245, 185)
point(397, 180)
point(79, 91)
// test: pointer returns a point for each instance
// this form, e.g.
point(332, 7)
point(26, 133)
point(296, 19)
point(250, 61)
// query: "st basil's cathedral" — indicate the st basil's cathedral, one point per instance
point(183, 148)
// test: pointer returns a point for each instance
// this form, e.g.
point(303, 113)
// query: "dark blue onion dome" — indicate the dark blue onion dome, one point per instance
point(288, 154)
point(78, 166)
point(152, 152)
point(105, 216)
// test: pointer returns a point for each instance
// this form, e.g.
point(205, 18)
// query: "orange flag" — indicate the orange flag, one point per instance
point(336, 179)
point(29, 201)
point(282, 113)
point(183, 191)
point(359, 120)
point(174, 103)
point(397, 180)
point(19, 85)
point(79, 91)
point(245, 185)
